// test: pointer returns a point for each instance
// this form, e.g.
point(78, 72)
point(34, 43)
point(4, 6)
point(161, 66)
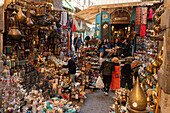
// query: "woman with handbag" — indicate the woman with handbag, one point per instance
point(115, 83)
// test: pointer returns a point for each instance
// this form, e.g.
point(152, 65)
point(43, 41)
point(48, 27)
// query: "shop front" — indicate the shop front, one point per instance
point(113, 25)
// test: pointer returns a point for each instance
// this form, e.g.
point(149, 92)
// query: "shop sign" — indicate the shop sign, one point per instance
point(120, 18)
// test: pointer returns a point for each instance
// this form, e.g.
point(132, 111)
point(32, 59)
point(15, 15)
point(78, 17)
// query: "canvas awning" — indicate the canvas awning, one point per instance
point(67, 5)
point(88, 15)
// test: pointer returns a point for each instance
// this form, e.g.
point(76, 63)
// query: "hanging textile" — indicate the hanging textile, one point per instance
point(144, 15)
point(74, 28)
point(150, 14)
point(64, 18)
point(143, 30)
point(138, 16)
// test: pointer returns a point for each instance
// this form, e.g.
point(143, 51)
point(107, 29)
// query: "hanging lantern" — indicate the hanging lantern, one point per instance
point(29, 21)
point(20, 16)
point(14, 33)
point(8, 48)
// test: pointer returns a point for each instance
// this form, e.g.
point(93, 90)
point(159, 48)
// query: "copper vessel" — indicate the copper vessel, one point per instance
point(149, 68)
point(14, 33)
point(137, 98)
point(20, 16)
point(154, 62)
point(160, 56)
point(156, 28)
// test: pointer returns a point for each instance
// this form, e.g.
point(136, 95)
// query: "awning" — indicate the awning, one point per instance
point(67, 5)
point(88, 15)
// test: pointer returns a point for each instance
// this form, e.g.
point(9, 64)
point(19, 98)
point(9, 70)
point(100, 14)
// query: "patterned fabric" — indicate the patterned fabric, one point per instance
point(64, 18)
point(143, 30)
point(150, 14)
point(138, 16)
point(144, 15)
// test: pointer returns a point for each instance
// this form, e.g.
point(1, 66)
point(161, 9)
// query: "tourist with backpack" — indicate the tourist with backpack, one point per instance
point(106, 69)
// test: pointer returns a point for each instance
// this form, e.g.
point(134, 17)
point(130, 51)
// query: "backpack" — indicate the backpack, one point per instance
point(108, 67)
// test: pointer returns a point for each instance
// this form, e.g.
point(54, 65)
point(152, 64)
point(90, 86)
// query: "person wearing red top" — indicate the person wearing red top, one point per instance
point(115, 83)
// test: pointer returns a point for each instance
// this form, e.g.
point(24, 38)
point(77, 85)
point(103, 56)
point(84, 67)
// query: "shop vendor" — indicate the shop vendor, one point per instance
point(71, 66)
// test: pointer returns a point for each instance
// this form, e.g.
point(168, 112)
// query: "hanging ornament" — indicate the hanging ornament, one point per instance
point(20, 16)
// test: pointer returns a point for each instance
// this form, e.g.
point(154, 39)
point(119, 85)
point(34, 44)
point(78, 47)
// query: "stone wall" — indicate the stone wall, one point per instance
point(164, 72)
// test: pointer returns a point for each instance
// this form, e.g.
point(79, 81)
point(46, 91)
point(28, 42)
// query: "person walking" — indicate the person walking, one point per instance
point(79, 42)
point(106, 69)
point(115, 84)
point(75, 39)
point(71, 67)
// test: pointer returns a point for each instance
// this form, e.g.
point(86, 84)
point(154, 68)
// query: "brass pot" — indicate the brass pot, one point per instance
point(154, 63)
point(149, 68)
point(160, 56)
point(158, 20)
point(20, 16)
point(137, 98)
point(154, 17)
point(156, 28)
point(14, 33)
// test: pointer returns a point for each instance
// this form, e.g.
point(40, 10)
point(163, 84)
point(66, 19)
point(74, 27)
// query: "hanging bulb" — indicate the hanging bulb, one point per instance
point(137, 98)
point(20, 16)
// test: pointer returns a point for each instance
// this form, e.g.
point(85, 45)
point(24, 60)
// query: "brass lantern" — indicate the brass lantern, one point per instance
point(20, 16)
point(137, 98)
point(14, 33)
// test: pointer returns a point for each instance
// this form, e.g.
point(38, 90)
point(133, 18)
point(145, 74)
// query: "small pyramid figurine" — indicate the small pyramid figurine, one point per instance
point(137, 99)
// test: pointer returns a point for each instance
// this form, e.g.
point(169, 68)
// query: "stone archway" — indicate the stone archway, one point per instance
point(120, 16)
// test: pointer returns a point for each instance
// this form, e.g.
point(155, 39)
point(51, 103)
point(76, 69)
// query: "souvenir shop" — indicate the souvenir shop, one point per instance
point(36, 39)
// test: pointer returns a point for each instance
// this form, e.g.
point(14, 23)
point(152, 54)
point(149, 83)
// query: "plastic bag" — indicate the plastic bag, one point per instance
point(99, 83)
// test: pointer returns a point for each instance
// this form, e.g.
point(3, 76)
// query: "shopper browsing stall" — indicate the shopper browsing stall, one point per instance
point(71, 67)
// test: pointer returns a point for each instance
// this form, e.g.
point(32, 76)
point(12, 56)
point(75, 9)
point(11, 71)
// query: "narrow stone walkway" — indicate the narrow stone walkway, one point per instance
point(97, 102)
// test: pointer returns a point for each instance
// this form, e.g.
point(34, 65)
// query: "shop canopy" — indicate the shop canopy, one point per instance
point(67, 5)
point(88, 15)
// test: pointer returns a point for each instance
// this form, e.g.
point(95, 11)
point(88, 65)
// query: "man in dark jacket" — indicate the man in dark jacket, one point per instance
point(75, 45)
point(71, 67)
point(106, 68)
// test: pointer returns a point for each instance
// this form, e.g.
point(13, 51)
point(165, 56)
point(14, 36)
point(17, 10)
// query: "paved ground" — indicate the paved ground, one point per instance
point(96, 102)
